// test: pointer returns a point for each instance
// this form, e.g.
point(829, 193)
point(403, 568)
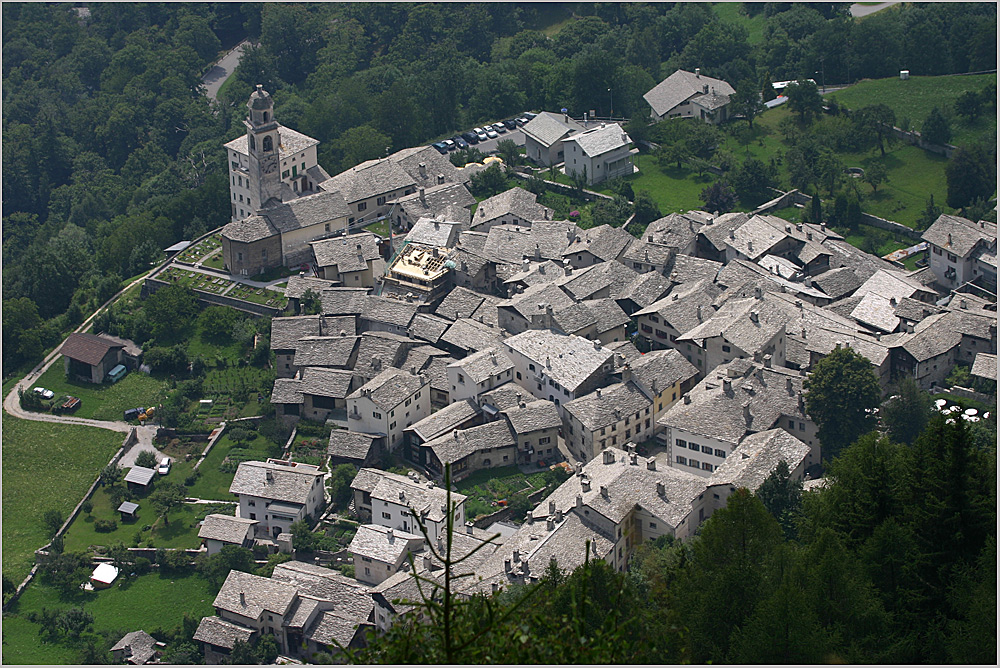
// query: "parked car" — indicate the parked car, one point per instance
point(440, 146)
point(459, 142)
point(164, 467)
point(44, 393)
point(491, 133)
point(510, 124)
point(449, 144)
point(521, 122)
point(500, 127)
point(482, 135)
point(529, 115)
point(470, 137)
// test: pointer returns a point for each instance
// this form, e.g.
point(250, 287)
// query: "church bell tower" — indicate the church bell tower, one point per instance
point(263, 141)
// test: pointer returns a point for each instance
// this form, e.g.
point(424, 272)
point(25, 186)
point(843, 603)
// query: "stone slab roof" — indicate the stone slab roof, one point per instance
point(350, 444)
point(683, 85)
point(390, 388)
point(349, 253)
point(461, 443)
point(646, 288)
point(471, 335)
point(960, 235)
point(567, 360)
point(428, 231)
point(686, 307)
point(298, 285)
point(757, 456)
point(837, 283)
point(250, 595)
point(585, 283)
point(533, 416)
point(688, 269)
point(626, 349)
point(225, 528)
point(607, 312)
point(141, 647)
point(608, 406)
point(343, 301)
point(390, 311)
point(286, 391)
point(418, 497)
point(599, 140)
point(985, 366)
point(485, 364)
point(327, 351)
point(383, 544)
point(369, 179)
point(444, 420)
point(289, 484)
point(320, 382)
point(604, 242)
point(675, 230)
point(505, 396)
point(379, 350)
point(514, 202)
point(660, 369)
point(547, 128)
point(428, 327)
point(290, 142)
point(221, 633)
point(460, 302)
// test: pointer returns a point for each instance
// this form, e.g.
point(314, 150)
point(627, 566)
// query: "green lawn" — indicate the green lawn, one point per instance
point(148, 602)
point(181, 530)
point(45, 466)
point(213, 483)
point(487, 485)
point(195, 280)
point(914, 98)
point(104, 401)
point(380, 228)
point(673, 189)
point(265, 296)
point(215, 262)
point(732, 12)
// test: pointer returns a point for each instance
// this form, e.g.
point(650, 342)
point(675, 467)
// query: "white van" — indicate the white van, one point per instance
point(164, 466)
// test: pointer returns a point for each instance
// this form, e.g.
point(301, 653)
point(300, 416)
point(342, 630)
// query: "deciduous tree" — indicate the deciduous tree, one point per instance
point(842, 396)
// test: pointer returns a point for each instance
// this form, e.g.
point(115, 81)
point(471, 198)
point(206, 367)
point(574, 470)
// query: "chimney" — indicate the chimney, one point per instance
point(651, 464)
point(494, 587)
point(754, 317)
point(604, 492)
point(909, 328)
point(243, 599)
point(727, 386)
point(798, 227)
point(402, 496)
point(962, 304)
point(529, 518)
point(892, 301)
point(579, 500)
point(767, 361)
point(661, 489)
point(732, 233)
point(413, 371)
point(585, 484)
point(704, 88)
point(269, 476)
point(633, 459)
point(423, 169)
point(878, 336)
point(469, 528)
point(558, 516)
point(747, 417)
point(699, 310)
point(758, 357)
point(949, 238)
point(389, 535)
point(788, 385)
point(609, 457)
point(687, 398)
point(524, 567)
point(548, 362)
point(517, 556)
point(550, 524)
point(598, 393)
point(128, 648)
point(506, 565)
point(423, 198)
point(552, 507)
point(626, 373)
point(697, 72)
point(809, 235)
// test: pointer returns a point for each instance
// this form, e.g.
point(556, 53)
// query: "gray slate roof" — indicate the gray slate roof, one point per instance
point(604, 242)
point(547, 128)
point(287, 484)
point(567, 360)
point(444, 420)
point(646, 288)
point(682, 85)
point(369, 179)
point(259, 594)
point(217, 631)
point(660, 369)
point(434, 233)
point(390, 311)
point(960, 235)
point(349, 253)
point(599, 140)
point(350, 444)
point(225, 528)
point(533, 416)
point(461, 443)
point(607, 313)
point(608, 406)
point(585, 283)
point(383, 544)
point(343, 301)
point(459, 303)
point(379, 350)
point(985, 366)
point(685, 307)
point(328, 351)
point(470, 335)
point(484, 364)
point(297, 286)
point(140, 475)
point(675, 230)
point(837, 283)
point(428, 327)
point(516, 202)
point(687, 269)
point(141, 646)
point(757, 457)
point(390, 388)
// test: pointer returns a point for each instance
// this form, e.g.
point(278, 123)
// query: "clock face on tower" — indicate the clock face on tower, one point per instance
point(269, 165)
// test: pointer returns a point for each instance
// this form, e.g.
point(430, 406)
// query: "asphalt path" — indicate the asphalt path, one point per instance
point(221, 70)
point(858, 9)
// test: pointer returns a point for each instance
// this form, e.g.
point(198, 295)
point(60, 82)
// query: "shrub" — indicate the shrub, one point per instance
point(105, 526)
point(53, 519)
point(142, 565)
point(191, 479)
point(146, 459)
point(87, 506)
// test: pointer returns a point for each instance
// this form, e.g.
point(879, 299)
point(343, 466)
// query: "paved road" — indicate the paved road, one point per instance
point(858, 9)
point(221, 71)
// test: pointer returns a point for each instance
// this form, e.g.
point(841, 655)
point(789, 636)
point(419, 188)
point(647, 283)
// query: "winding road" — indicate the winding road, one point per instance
point(222, 69)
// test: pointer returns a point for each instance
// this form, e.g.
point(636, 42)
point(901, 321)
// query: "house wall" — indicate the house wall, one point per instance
point(376, 205)
point(582, 259)
point(311, 411)
point(256, 508)
point(295, 243)
point(631, 428)
point(398, 516)
point(283, 366)
point(944, 262)
point(614, 334)
point(533, 446)
point(480, 224)
point(239, 179)
point(462, 386)
point(250, 259)
point(679, 444)
point(364, 416)
point(614, 163)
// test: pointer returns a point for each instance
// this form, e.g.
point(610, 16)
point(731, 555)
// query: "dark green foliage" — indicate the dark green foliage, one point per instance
point(170, 310)
point(340, 485)
point(168, 495)
point(906, 412)
point(614, 212)
point(752, 181)
point(105, 526)
point(875, 175)
point(816, 209)
point(782, 496)
point(852, 216)
point(936, 128)
point(930, 213)
point(216, 568)
point(875, 123)
point(488, 182)
point(971, 175)
point(719, 197)
point(804, 99)
point(52, 519)
point(310, 303)
point(66, 571)
point(747, 101)
point(171, 359)
point(842, 393)
point(646, 209)
point(147, 459)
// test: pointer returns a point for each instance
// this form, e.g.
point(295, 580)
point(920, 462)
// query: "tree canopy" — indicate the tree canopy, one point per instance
point(841, 398)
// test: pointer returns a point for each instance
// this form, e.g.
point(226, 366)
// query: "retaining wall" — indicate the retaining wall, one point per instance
point(793, 197)
point(504, 513)
point(151, 285)
point(564, 189)
point(212, 440)
point(969, 393)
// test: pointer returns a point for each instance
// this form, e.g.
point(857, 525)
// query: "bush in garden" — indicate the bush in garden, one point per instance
point(105, 526)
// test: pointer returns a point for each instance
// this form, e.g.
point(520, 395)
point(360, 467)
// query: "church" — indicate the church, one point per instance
point(282, 199)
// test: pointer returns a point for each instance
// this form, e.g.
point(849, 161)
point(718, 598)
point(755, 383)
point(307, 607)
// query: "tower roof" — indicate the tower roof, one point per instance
point(260, 99)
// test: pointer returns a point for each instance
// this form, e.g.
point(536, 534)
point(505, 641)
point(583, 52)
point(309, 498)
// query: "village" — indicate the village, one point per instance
point(491, 378)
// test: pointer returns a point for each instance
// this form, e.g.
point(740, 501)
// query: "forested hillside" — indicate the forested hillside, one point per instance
point(112, 153)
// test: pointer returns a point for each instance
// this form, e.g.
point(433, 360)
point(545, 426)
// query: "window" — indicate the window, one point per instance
point(253, 143)
point(646, 328)
point(791, 424)
point(652, 525)
point(802, 426)
point(681, 444)
point(543, 441)
point(681, 460)
point(377, 416)
point(268, 144)
point(726, 349)
point(654, 319)
point(707, 450)
point(518, 374)
point(720, 453)
point(416, 396)
point(380, 200)
point(362, 206)
point(239, 257)
point(263, 254)
point(386, 516)
point(707, 467)
point(284, 174)
point(531, 367)
point(253, 516)
point(392, 426)
point(937, 251)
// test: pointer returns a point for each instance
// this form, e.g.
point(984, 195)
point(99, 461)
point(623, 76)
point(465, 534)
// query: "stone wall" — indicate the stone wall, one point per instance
point(793, 197)
point(151, 285)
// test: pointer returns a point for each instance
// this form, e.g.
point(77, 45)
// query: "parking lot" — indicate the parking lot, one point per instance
point(489, 146)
